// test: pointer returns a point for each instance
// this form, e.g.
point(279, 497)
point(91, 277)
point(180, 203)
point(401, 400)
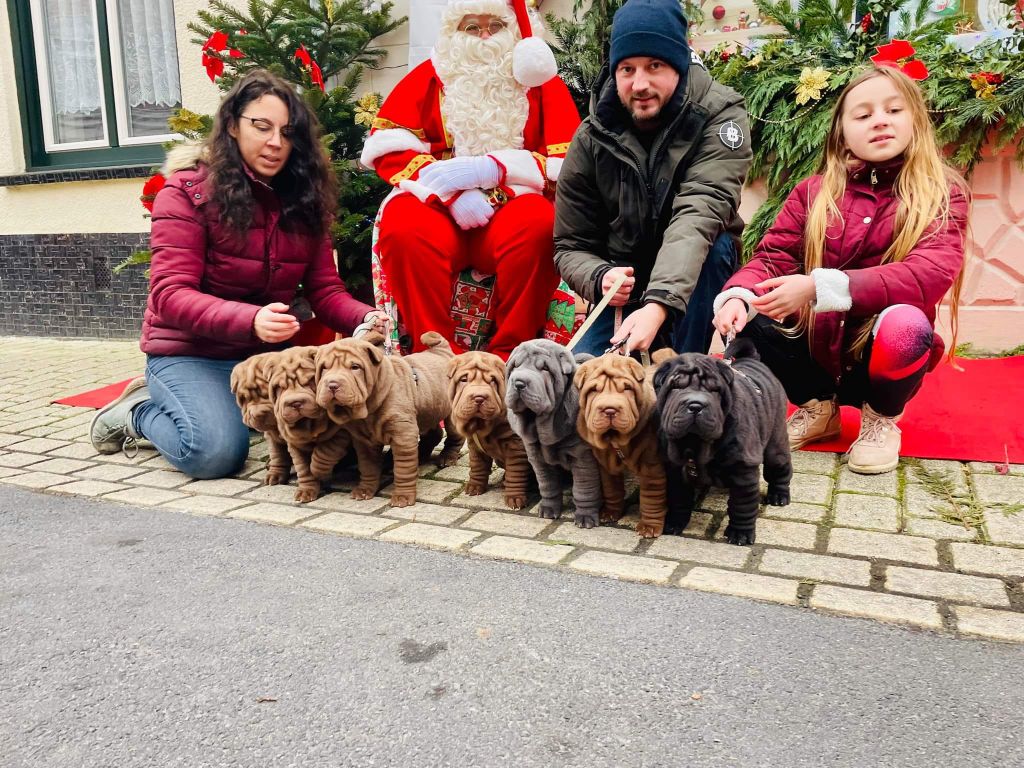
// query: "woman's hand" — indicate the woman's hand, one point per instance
point(273, 323)
point(732, 317)
point(788, 295)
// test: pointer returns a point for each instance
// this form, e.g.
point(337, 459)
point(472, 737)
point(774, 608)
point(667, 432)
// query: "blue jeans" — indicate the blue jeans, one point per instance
point(693, 331)
point(192, 418)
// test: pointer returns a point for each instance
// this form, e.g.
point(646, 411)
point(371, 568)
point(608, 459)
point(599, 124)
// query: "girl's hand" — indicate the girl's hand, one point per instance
point(788, 295)
point(731, 317)
point(273, 323)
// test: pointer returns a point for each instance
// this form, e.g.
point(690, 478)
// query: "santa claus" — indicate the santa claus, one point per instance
point(472, 141)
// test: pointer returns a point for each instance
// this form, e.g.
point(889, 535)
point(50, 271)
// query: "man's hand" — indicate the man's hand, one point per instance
point(788, 295)
point(471, 209)
point(621, 295)
point(274, 324)
point(641, 327)
point(731, 317)
point(446, 177)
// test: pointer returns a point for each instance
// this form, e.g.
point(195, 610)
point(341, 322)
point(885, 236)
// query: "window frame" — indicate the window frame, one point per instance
point(38, 157)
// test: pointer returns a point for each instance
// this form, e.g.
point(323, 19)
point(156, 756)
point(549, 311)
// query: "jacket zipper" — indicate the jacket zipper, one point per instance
point(874, 178)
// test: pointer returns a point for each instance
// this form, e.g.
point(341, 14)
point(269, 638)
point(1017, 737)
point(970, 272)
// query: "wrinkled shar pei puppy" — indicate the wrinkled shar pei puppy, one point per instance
point(383, 400)
point(720, 419)
point(314, 442)
point(250, 384)
point(476, 387)
point(542, 408)
point(617, 419)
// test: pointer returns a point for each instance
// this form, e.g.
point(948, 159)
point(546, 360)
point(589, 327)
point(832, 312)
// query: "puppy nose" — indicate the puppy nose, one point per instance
point(333, 386)
point(478, 399)
point(610, 411)
point(695, 407)
point(519, 384)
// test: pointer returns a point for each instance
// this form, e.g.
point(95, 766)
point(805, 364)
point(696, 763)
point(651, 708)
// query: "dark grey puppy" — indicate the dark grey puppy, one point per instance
point(719, 419)
point(542, 407)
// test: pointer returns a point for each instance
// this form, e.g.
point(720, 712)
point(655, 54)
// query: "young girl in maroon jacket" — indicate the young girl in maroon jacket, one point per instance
point(236, 229)
point(840, 295)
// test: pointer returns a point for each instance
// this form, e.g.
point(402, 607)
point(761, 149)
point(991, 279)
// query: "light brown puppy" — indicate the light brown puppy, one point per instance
point(303, 424)
point(387, 400)
point(251, 387)
point(616, 418)
point(476, 388)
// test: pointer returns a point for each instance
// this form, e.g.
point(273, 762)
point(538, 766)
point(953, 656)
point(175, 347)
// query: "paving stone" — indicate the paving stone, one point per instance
point(143, 496)
point(346, 524)
point(138, 459)
point(952, 586)
point(883, 546)
point(699, 551)
point(997, 625)
point(806, 566)
point(223, 487)
point(1002, 528)
point(492, 499)
point(276, 514)
point(432, 491)
point(1005, 489)
point(39, 445)
point(206, 505)
point(343, 502)
point(949, 470)
point(426, 513)
point(157, 462)
point(275, 494)
point(813, 489)
point(814, 462)
point(628, 567)
point(461, 475)
point(432, 536)
point(796, 510)
point(109, 472)
point(7, 438)
point(936, 529)
point(989, 468)
point(785, 534)
point(979, 558)
point(741, 585)
point(61, 466)
point(20, 459)
point(506, 523)
point(885, 484)
point(601, 537)
point(875, 605)
point(10, 471)
point(522, 550)
point(32, 479)
point(89, 487)
point(715, 501)
point(160, 478)
point(855, 510)
point(921, 503)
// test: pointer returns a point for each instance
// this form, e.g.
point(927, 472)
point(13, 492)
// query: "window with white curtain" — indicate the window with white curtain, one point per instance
point(76, 94)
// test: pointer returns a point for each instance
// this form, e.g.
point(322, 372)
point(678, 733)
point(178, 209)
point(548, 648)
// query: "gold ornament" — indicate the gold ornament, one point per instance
point(756, 61)
point(812, 82)
point(366, 109)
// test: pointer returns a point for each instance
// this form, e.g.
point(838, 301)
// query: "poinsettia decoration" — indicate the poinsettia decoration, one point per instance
point(153, 185)
point(984, 84)
point(310, 65)
point(897, 54)
point(212, 48)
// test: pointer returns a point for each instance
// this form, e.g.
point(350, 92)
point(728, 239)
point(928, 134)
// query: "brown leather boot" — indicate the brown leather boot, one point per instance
point(877, 448)
point(812, 422)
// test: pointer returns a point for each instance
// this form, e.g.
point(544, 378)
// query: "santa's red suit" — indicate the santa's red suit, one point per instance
point(425, 243)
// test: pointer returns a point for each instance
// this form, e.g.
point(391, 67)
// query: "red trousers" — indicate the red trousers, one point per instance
point(423, 251)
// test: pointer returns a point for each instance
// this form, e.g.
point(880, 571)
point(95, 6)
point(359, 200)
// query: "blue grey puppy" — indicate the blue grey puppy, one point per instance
point(542, 406)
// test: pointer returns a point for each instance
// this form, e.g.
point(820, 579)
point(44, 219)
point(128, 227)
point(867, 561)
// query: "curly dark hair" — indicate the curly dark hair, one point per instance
point(306, 186)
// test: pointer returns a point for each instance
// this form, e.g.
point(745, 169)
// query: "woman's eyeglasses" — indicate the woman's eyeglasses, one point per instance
point(266, 128)
point(492, 28)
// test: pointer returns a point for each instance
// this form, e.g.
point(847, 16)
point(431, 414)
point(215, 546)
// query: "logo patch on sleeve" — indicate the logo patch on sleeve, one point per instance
point(731, 135)
point(695, 59)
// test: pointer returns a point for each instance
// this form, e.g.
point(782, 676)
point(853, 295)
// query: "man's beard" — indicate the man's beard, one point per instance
point(484, 108)
point(644, 121)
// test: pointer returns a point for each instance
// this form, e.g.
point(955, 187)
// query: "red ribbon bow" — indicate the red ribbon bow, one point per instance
point(896, 54)
point(153, 185)
point(217, 42)
point(302, 54)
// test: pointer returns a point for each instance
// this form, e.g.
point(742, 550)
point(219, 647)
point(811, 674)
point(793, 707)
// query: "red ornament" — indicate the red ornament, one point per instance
point(153, 185)
point(992, 78)
point(896, 54)
point(718, 13)
point(725, 56)
point(865, 22)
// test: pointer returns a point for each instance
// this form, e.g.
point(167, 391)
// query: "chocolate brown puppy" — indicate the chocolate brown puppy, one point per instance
point(476, 388)
point(250, 385)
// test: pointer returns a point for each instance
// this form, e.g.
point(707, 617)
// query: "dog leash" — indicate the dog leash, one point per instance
point(730, 337)
point(596, 311)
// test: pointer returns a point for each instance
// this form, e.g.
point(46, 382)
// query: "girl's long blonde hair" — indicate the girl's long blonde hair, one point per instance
point(923, 187)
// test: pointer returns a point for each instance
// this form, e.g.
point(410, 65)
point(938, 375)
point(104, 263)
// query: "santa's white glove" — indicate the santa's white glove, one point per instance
point(471, 209)
point(446, 177)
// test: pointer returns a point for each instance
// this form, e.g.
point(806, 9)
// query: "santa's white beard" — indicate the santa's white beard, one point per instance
point(484, 108)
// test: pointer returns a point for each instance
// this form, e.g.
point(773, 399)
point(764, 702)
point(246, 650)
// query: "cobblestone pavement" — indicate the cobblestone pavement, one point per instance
point(937, 545)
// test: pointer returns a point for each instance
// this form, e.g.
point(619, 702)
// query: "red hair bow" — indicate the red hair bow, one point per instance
point(897, 54)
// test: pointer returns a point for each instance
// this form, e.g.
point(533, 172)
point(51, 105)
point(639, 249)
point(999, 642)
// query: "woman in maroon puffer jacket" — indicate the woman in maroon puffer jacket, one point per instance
point(841, 293)
point(235, 232)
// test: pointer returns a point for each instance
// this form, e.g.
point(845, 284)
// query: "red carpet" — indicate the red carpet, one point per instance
point(976, 414)
point(95, 398)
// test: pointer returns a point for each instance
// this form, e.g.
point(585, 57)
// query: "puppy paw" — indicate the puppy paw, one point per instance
point(447, 458)
point(586, 521)
point(649, 530)
point(276, 477)
point(611, 515)
point(402, 499)
point(307, 493)
point(474, 489)
point(361, 493)
point(673, 530)
point(777, 497)
point(515, 502)
point(550, 511)
point(742, 538)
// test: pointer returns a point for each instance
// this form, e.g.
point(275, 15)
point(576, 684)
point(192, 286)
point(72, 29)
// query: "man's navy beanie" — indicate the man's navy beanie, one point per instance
point(655, 28)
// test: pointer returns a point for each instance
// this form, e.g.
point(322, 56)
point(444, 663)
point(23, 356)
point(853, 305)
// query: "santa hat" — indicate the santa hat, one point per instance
point(533, 63)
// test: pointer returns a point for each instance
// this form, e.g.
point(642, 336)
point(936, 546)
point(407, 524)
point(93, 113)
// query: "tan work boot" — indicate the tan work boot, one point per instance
point(813, 421)
point(877, 448)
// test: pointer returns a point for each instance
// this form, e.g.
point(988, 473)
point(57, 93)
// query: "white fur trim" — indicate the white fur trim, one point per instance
point(533, 63)
point(388, 140)
point(181, 157)
point(521, 168)
point(419, 190)
point(743, 294)
point(554, 167)
point(832, 290)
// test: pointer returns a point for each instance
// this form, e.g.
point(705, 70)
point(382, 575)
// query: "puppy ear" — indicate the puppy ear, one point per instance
point(636, 370)
point(660, 356)
point(725, 371)
point(375, 353)
point(376, 338)
point(567, 362)
point(581, 376)
point(661, 374)
point(449, 369)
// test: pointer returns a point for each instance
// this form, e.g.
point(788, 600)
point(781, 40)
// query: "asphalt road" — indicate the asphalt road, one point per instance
point(137, 637)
